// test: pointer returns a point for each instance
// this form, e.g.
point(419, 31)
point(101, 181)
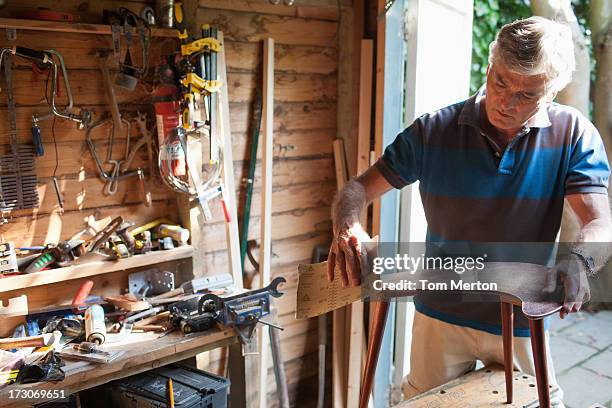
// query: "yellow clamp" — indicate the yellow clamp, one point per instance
point(208, 44)
point(199, 84)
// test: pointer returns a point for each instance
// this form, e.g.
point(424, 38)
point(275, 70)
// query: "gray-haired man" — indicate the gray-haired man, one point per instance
point(494, 168)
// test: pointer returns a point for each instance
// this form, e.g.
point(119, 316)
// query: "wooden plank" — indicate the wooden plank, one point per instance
point(379, 106)
point(288, 144)
point(288, 87)
point(284, 225)
point(294, 126)
point(248, 27)
point(297, 197)
point(365, 105)
point(304, 196)
point(246, 56)
point(78, 50)
point(339, 379)
point(287, 252)
point(321, 12)
point(481, 388)
point(265, 243)
point(86, 13)
point(76, 159)
point(93, 268)
point(340, 163)
point(241, 56)
point(66, 130)
point(67, 27)
point(288, 172)
point(289, 116)
point(357, 330)
point(88, 193)
point(232, 236)
point(87, 89)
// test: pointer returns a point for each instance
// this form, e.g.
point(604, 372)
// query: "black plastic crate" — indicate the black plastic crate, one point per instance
point(193, 388)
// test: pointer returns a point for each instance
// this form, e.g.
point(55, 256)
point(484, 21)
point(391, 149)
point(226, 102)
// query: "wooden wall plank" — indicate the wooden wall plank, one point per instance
point(288, 144)
point(320, 11)
point(78, 51)
point(249, 27)
point(288, 87)
point(284, 225)
point(83, 194)
point(287, 172)
point(83, 11)
point(289, 116)
point(246, 56)
point(88, 89)
point(287, 253)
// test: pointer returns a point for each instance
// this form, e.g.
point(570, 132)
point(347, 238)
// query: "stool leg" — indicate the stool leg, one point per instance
point(507, 317)
point(538, 346)
point(379, 317)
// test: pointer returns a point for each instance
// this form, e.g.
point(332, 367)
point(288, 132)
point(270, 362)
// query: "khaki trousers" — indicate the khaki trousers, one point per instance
point(442, 352)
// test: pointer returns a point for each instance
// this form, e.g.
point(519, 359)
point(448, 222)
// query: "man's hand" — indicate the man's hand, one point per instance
point(345, 253)
point(572, 274)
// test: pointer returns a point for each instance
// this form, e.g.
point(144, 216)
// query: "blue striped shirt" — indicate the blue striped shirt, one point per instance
point(474, 190)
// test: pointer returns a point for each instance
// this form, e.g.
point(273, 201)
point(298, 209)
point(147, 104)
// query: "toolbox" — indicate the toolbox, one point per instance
point(192, 388)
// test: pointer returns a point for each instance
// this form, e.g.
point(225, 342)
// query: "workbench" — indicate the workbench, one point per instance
point(145, 353)
point(481, 388)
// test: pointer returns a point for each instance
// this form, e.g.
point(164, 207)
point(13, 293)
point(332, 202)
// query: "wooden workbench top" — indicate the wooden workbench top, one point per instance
point(481, 388)
point(143, 353)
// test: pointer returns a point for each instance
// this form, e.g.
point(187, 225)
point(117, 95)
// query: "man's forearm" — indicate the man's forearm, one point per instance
point(595, 240)
point(348, 204)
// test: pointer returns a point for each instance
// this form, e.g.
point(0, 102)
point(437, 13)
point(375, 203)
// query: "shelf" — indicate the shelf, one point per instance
point(93, 268)
point(83, 28)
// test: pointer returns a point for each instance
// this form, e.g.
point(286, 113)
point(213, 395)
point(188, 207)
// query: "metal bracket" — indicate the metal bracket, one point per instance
point(150, 282)
point(11, 34)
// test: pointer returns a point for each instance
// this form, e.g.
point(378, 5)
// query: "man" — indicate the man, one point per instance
point(494, 168)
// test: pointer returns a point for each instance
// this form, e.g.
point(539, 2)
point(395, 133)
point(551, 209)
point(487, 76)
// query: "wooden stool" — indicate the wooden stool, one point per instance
point(518, 284)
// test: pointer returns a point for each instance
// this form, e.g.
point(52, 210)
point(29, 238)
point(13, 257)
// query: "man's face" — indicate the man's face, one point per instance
point(512, 99)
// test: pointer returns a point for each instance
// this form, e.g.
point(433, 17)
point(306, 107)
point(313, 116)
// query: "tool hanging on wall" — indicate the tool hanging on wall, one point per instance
point(47, 57)
point(126, 20)
point(256, 125)
point(115, 174)
point(18, 180)
point(119, 168)
point(20, 185)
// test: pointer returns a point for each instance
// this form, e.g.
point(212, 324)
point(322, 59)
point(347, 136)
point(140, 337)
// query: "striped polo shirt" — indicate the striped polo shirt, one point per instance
point(474, 190)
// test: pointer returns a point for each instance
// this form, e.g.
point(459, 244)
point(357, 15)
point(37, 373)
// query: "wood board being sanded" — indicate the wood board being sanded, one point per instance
point(481, 388)
point(316, 296)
